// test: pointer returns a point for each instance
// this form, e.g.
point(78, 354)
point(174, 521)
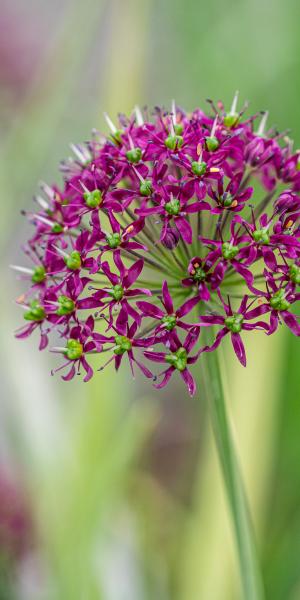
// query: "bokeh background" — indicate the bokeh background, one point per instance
point(108, 490)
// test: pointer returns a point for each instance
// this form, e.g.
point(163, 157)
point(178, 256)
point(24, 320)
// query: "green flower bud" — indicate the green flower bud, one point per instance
point(113, 240)
point(294, 273)
point(173, 206)
point(134, 155)
point(198, 274)
point(234, 323)
point(169, 321)
point(278, 301)
point(57, 228)
point(93, 199)
point(261, 236)
point(229, 252)
point(117, 292)
point(66, 305)
point(178, 359)
point(73, 261)
point(116, 137)
point(227, 202)
point(174, 141)
point(231, 119)
point(35, 313)
point(178, 128)
point(146, 188)
point(74, 349)
point(199, 168)
point(39, 274)
point(212, 143)
point(123, 344)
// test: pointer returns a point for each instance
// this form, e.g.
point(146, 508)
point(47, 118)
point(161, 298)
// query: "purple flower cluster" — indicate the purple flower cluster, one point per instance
point(167, 227)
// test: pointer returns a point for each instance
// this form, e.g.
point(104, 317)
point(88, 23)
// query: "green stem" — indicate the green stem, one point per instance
point(249, 569)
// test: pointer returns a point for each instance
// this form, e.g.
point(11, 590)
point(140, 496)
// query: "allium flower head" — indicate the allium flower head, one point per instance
point(172, 224)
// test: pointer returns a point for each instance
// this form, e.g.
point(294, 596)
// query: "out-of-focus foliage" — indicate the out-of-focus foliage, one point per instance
point(117, 487)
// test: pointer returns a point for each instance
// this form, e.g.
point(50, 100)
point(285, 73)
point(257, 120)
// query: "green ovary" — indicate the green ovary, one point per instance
point(234, 323)
point(123, 344)
point(178, 360)
point(278, 301)
point(35, 313)
point(74, 349)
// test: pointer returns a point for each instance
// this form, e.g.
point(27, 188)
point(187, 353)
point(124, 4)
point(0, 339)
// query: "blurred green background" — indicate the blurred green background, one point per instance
point(108, 490)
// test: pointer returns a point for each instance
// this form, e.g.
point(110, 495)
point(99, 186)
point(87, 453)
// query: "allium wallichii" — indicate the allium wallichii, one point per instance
point(171, 224)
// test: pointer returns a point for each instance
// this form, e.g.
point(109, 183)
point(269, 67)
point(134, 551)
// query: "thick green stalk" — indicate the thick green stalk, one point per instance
point(249, 568)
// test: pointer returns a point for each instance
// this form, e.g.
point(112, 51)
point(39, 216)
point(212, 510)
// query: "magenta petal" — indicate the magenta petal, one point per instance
point(187, 307)
point(184, 229)
point(24, 332)
point(204, 293)
point(191, 339)
point(43, 341)
point(217, 341)
point(133, 313)
point(256, 325)
point(269, 258)
point(88, 369)
point(155, 356)
point(238, 347)
point(122, 320)
point(189, 381)
point(70, 374)
point(119, 263)
point(144, 370)
point(256, 312)
point(138, 292)
point(91, 302)
point(150, 310)
point(113, 278)
point(167, 300)
point(133, 273)
point(118, 361)
point(218, 274)
point(291, 321)
point(243, 271)
point(167, 376)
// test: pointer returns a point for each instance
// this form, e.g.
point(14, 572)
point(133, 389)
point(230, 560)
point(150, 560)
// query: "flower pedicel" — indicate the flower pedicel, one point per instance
point(169, 225)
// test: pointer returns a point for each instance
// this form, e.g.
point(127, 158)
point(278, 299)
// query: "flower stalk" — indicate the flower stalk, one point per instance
point(251, 579)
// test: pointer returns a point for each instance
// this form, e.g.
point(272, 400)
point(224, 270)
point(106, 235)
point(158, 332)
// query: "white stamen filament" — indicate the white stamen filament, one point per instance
point(22, 269)
point(234, 103)
point(131, 144)
point(263, 123)
point(110, 124)
point(42, 202)
point(289, 143)
point(173, 110)
point(141, 178)
point(139, 116)
point(81, 154)
point(84, 187)
point(43, 220)
point(59, 349)
point(52, 302)
point(61, 252)
point(172, 127)
point(47, 190)
point(214, 127)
